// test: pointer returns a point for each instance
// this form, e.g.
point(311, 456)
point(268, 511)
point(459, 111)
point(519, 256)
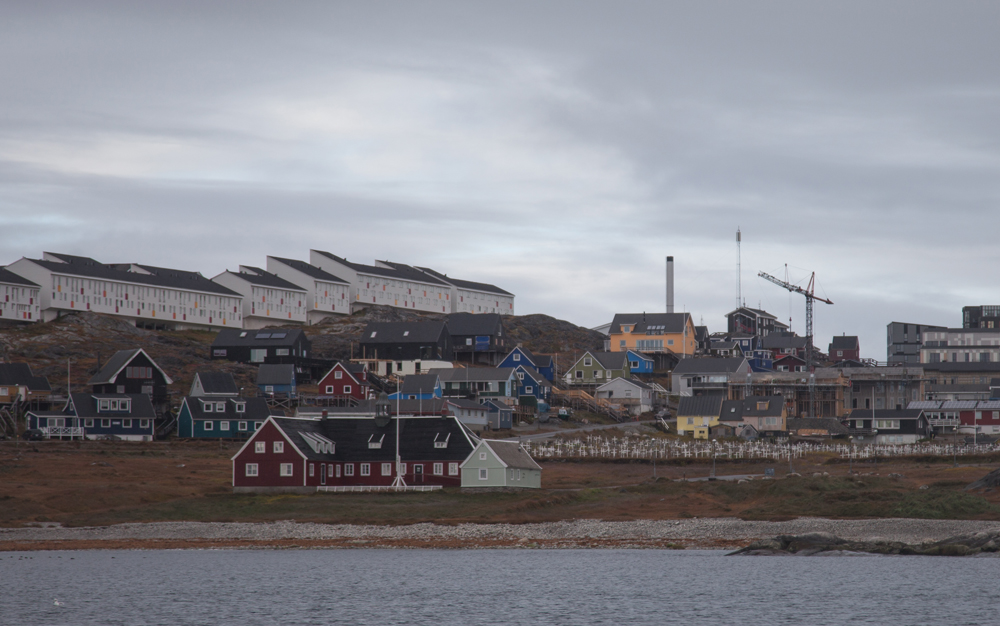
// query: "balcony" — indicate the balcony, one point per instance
point(937, 423)
point(63, 431)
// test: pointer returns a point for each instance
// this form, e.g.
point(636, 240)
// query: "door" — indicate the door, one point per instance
point(418, 474)
point(322, 473)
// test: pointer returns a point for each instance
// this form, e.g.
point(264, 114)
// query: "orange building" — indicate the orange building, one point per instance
point(653, 332)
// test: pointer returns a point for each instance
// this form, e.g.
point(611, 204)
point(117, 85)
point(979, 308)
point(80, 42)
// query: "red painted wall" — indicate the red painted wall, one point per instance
point(267, 462)
point(358, 387)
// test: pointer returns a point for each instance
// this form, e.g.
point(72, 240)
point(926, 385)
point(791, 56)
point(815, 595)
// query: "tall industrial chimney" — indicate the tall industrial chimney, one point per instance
point(670, 284)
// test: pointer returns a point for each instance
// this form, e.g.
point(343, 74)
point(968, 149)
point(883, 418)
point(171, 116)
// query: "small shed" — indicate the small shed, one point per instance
point(276, 380)
point(497, 463)
point(501, 414)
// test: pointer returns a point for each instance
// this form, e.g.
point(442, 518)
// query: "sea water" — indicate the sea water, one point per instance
point(445, 587)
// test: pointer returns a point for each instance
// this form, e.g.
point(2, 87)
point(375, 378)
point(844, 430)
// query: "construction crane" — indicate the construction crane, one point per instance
point(809, 293)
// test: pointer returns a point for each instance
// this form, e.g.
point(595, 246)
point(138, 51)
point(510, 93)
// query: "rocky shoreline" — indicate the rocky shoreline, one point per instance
point(715, 533)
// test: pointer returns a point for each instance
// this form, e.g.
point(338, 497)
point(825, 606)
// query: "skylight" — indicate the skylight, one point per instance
point(263, 336)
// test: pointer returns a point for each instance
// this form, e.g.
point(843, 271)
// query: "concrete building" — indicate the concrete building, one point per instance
point(960, 345)
point(904, 341)
point(18, 299)
point(268, 300)
point(326, 295)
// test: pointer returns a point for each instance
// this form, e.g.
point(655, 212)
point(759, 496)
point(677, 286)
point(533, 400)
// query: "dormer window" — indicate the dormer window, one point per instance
point(113, 405)
point(208, 407)
point(375, 444)
point(220, 407)
point(441, 442)
point(241, 407)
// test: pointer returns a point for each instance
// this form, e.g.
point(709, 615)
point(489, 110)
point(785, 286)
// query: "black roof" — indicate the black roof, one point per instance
point(844, 342)
point(474, 323)
point(773, 408)
point(256, 409)
point(832, 426)
point(403, 332)
point(118, 362)
point(85, 405)
point(466, 284)
point(776, 341)
point(231, 337)
point(12, 374)
point(9, 277)
point(412, 274)
point(650, 323)
point(310, 270)
point(351, 437)
point(610, 360)
point(218, 383)
point(419, 383)
point(257, 276)
point(176, 279)
point(756, 312)
point(475, 374)
point(732, 411)
point(700, 405)
point(539, 360)
point(275, 374)
point(895, 414)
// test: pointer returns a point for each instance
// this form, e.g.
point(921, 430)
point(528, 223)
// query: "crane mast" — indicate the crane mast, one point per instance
point(809, 293)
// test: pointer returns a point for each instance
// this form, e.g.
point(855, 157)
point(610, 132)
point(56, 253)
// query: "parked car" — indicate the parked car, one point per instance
point(33, 434)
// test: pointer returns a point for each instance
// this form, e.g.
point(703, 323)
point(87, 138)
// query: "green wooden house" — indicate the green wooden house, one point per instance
point(597, 368)
point(495, 463)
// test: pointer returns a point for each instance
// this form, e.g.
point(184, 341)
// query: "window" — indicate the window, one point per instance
point(285, 469)
point(338, 375)
point(366, 469)
point(348, 469)
point(126, 423)
point(260, 447)
point(279, 447)
point(347, 389)
point(208, 407)
point(588, 362)
point(438, 469)
point(482, 456)
point(483, 473)
point(257, 355)
point(312, 469)
point(251, 469)
point(690, 421)
point(453, 469)
point(281, 352)
point(241, 407)
point(257, 425)
point(387, 469)
point(517, 357)
point(143, 423)
point(528, 389)
point(209, 424)
point(633, 364)
point(330, 470)
point(223, 425)
point(887, 424)
point(579, 374)
point(338, 471)
point(598, 374)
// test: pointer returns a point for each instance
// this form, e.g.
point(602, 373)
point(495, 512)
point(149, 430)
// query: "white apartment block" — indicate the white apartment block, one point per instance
point(385, 285)
point(267, 299)
point(327, 295)
point(141, 294)
point(960, 345)
point(420, 288)
point(18, 298)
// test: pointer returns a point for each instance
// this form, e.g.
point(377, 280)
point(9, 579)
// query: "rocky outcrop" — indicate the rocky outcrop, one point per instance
point(811, 544)
point(989, 481)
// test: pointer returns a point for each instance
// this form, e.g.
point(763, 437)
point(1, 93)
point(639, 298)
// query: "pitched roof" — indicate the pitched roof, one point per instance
point(387, 272)
point(757, 312)
point(85, 405)
point(511, 454)
point(611, 360)
point(10, 278)
point(534, 374)
point(234, 337)
point(255, 409)
point(218, 383)
point(420, 383)
point(700, 405)
point(263, 278)
point(466, 284)
point(483, 324)
point(403, 332)
point(897, 414)
point(118, 362)
point(650, 323)
point(473, 374)
point(351, 437)
point(844, 342)
point(773, 407)
point(275, 374)
point(177, 279)
point(638, 384)
point(777, 342)
point(310, 270)
point(710, 365)
point(12, 374)
point(732, 411)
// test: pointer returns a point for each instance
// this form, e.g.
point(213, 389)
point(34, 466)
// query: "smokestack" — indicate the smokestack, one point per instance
point(670, 284)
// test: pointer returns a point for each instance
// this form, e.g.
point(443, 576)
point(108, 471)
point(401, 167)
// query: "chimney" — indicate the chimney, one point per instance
point(670, 284)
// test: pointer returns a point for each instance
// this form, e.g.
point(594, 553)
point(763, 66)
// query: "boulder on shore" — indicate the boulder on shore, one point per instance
point(825, 543)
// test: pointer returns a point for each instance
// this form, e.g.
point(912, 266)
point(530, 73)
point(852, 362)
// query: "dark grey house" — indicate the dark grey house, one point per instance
point(477, 337)
point(261, 346)
point(407, 341)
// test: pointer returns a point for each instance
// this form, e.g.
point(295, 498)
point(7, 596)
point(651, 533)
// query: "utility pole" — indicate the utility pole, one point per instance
point(809, 293)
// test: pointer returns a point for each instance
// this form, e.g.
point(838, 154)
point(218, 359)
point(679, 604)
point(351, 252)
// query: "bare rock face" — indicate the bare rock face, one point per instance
point(827, 544)
point(989, 481)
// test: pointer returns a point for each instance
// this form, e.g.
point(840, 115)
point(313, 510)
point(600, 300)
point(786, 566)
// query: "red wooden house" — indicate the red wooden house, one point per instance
point(845, 348)
point(300, 455)
point(346, 382)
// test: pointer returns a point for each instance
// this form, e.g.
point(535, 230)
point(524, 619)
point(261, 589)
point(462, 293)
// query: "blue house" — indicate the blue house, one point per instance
point(128, 416)
point(639, 363)
point(276, 380)
point(532, 383)
point(542, 363)
point(500, 415)
point(419, 387)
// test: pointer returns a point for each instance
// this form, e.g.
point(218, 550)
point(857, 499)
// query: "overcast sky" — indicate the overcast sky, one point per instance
point(557, 149)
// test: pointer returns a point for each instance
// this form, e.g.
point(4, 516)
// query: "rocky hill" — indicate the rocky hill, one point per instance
point(76, 345)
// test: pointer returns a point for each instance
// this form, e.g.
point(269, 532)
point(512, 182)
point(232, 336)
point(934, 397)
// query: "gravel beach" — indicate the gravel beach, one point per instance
point(688, 533)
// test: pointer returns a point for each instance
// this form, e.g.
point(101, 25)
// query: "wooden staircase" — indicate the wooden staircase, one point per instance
point(579, 399)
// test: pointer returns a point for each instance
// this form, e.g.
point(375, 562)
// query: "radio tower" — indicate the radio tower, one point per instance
point(739, 269)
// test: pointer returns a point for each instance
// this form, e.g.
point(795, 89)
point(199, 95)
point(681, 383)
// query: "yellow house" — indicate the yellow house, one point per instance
point(653, 332)
point(697, 415)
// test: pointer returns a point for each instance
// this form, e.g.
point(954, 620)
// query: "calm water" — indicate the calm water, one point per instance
point(490, 587)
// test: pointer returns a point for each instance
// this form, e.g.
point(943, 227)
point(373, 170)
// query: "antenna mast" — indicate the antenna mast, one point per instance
point(739, 269)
